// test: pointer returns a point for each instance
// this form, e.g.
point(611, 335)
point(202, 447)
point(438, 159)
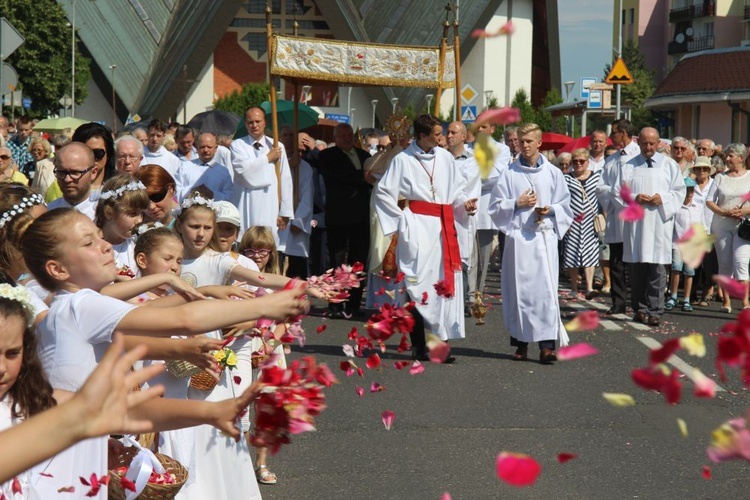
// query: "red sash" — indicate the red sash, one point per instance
point(451, 254)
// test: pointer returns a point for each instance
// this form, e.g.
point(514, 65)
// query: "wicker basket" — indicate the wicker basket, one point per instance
point(203, 381)
point(181, 369)
point(152, 491)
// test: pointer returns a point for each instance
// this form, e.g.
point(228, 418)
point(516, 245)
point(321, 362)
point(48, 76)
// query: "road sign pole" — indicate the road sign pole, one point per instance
point(619, 55)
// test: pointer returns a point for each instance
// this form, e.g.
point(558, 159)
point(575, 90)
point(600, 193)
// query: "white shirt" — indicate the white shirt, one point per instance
point(87, 207)
point(211, 268)
point(163, 158)
point(211, 174)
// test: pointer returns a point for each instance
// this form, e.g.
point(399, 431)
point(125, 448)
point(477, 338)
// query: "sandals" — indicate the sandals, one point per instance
point(264, 475)
point(727, 310)
point(670, 303)
point(687, 307)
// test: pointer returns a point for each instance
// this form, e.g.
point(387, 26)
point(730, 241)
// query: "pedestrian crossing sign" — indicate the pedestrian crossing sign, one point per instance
point(468, 114)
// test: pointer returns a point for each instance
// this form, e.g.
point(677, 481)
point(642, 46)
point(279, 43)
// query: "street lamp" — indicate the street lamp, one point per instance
point(351, 116)
point(568, 87)
point(394, 101)
point(73, 59)
point(374, 105)
point(114, 108)
point(429, 102)
point(306, 92)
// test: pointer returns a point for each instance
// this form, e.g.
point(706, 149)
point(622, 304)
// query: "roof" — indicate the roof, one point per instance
point(711, 75)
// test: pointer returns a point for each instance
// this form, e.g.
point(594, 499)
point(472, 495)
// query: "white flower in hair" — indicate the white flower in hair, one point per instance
point(198, 200)
point(19, 208)
point(21, 295)
point(144, 228)
point(130, 186)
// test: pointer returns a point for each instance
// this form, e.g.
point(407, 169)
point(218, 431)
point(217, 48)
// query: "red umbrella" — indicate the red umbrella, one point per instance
point(581, 142)
point(551, 140)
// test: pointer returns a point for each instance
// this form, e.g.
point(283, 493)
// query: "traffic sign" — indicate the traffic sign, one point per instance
point(595, 99)
point(9, 78)
point(468, 114)
point(10, 39)
point(468, 93)
point(586, 83)
point(619, 74)
point(26, 102)
point(338, 118)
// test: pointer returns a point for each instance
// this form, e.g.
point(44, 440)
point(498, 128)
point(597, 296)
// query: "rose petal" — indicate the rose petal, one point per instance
point(694, 244)
point(619, 399)
point(237, 379)
point(579, 218)
point(587, 320)
point(662, 354)
point(735, 289)
point(373, 361)
point(704, 386)
point(576, 351)
point(446, 496)
point(706, 472)
point(626, 194)
point(416, 368)
point(321, 328)
point(376, 387)
point(632, 213)
point(67, 489)
point(694, 344)
point(683, 427)
point(565, 457)
point(348, 350)
point(399, 365)
point(15, 486)
point(360, 390)
point(439, 350)
point(484, 155)
point(387, 416)
point(499, 116)
point(424, 298)
point(517, 469)
point(127, 484)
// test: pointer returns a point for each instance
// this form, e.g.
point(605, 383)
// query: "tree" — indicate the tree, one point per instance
point(43, 60)
point(544, 118)
point(521, 101)
point(637, 93)
point(237, 101)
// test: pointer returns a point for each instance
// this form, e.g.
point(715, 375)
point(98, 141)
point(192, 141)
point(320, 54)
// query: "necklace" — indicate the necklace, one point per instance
point(430, 175)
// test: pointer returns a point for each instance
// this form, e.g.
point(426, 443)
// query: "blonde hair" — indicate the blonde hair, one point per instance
point(580, 153)
point(530, 128)
point(42, 240)
point(262, 237)
point(169, 143)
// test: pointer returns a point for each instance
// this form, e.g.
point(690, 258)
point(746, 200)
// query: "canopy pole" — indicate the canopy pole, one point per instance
point(457, 53)
point(294, 164)
point(443, 49)
point(274, 117)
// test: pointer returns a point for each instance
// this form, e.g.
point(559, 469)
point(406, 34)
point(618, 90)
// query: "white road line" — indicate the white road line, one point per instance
point(674, 360)
point(638, 326)
point(598, 305)
point(621, 316)
point(609, 325)
point(575, 305)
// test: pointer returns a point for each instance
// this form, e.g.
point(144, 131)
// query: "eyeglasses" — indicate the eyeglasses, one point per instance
point(128, 158)
point(578, 160)
point(256, 252)
point(75, 175)
point(99, 153)
point(159, 195)
point(5, 157)
point(679, 148)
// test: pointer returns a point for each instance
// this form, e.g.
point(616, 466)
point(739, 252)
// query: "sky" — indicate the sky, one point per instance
point(585, 39)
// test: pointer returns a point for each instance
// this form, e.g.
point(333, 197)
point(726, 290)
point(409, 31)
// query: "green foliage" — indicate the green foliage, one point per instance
point(43, 61)
point(237, 101)
point(637, 93)
point(521, 101)
point(544, 118)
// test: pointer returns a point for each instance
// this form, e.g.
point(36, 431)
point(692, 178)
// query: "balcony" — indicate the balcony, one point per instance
point(694, 11)
point(700, 43)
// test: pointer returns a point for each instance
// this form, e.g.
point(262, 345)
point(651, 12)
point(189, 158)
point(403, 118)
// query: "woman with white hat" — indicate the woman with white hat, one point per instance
point(705, 189)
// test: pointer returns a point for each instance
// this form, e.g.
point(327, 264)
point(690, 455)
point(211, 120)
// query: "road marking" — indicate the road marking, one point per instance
point(674, 360)
point(638, 326)
point(609, 325)
point(599, 305)
point(624, 317)
point(575, 305)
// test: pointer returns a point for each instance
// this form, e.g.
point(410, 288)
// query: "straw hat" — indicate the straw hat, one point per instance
point(703, 161)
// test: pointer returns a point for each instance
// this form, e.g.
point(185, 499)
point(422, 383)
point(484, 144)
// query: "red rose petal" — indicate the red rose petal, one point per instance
point(662, 354)
point(565, 457)
point(373, 361)
point(127, 484)
point(237, 379)
point(321, 328)
point(706, 473)
point(517, 469)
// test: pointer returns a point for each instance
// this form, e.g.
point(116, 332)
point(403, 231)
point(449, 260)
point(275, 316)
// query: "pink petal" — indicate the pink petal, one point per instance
point(446, 496)
point(387, 417)
point(576, 351)
point(360, 390)
point(373, 361)
point(565, 457)
point(704, 386)
point(507, 28)
point(500, 116)
point(735, 289)
point(706, 472)
point(416, 368)
point(579, 218)
point(626, 195)
point(587, 320)
point(439, 350)
point(517, 469)
point(376, 387)
point(348, 350)
point(399, 365)
point(632, 213)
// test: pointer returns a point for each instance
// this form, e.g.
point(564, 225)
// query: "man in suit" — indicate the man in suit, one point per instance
point(347, 208)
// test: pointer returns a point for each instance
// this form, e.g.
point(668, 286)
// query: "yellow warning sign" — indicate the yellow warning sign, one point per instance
point(619, 74)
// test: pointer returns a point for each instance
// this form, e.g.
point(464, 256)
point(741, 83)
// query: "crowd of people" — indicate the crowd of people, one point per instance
point(101, 234)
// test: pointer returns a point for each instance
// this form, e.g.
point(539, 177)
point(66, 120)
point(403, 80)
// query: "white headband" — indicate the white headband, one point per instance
point(198, 200)
point(22, 296)
point(26, 202)
point(130, 186)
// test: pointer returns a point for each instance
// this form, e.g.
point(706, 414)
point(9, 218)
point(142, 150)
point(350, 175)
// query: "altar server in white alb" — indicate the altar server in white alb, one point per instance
point(257, 194)
point(156, 154)
point(296, 236)
point(656, 183)
point(427, 251)
point(531, 205)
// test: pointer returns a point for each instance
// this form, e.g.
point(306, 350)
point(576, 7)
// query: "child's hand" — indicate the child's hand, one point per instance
point(286, 304)
point(224, 414)
point(184, 288)
point(197, 350)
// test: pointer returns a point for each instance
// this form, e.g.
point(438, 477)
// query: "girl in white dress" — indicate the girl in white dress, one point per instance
point(122, 202)
point(65, 252)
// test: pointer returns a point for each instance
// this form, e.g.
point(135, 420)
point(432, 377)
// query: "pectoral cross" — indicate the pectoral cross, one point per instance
point(432, 190)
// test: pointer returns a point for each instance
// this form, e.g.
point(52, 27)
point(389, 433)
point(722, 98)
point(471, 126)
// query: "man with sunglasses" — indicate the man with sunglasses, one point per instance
point(74, 171)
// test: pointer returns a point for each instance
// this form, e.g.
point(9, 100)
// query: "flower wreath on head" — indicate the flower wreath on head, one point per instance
point(130, 186)
point(22, 296)
point(19, 208)
point(198, 200)
point(144, 228)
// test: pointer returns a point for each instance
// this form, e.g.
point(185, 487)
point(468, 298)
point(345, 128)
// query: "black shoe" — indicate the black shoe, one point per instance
point(640, 318)
point(355, 313)
point(335, 314)
point(652, 321)
point(419, 356)
point(615, 310)
point(449, 360)
point(547, 356)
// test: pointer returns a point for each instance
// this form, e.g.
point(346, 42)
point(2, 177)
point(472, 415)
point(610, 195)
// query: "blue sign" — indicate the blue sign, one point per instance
point(338, 118)
point(468, 114)
point(595, 99)
point(26, 102)
point(586, 83)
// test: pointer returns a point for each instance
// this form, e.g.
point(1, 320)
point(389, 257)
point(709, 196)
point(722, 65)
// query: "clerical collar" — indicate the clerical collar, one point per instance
point(539, 162)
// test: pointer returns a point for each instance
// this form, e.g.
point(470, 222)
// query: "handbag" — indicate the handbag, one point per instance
point(743, 230)
point(600, 221)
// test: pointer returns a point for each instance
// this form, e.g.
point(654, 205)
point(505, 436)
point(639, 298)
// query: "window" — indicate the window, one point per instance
point(632, 16)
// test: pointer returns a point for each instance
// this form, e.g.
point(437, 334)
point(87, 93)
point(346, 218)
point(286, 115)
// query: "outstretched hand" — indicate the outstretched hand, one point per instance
point(225, 413)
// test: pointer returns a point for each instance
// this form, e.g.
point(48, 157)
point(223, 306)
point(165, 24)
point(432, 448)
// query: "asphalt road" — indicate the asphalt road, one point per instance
point(451, 421)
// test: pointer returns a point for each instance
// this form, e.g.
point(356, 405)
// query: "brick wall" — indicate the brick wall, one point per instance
point(234, 67)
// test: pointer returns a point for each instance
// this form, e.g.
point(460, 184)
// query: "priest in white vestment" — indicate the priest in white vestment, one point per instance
point(156, 154)
point(656, 183)
point(257, 194)
point(531, 205)
point(427, 251)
